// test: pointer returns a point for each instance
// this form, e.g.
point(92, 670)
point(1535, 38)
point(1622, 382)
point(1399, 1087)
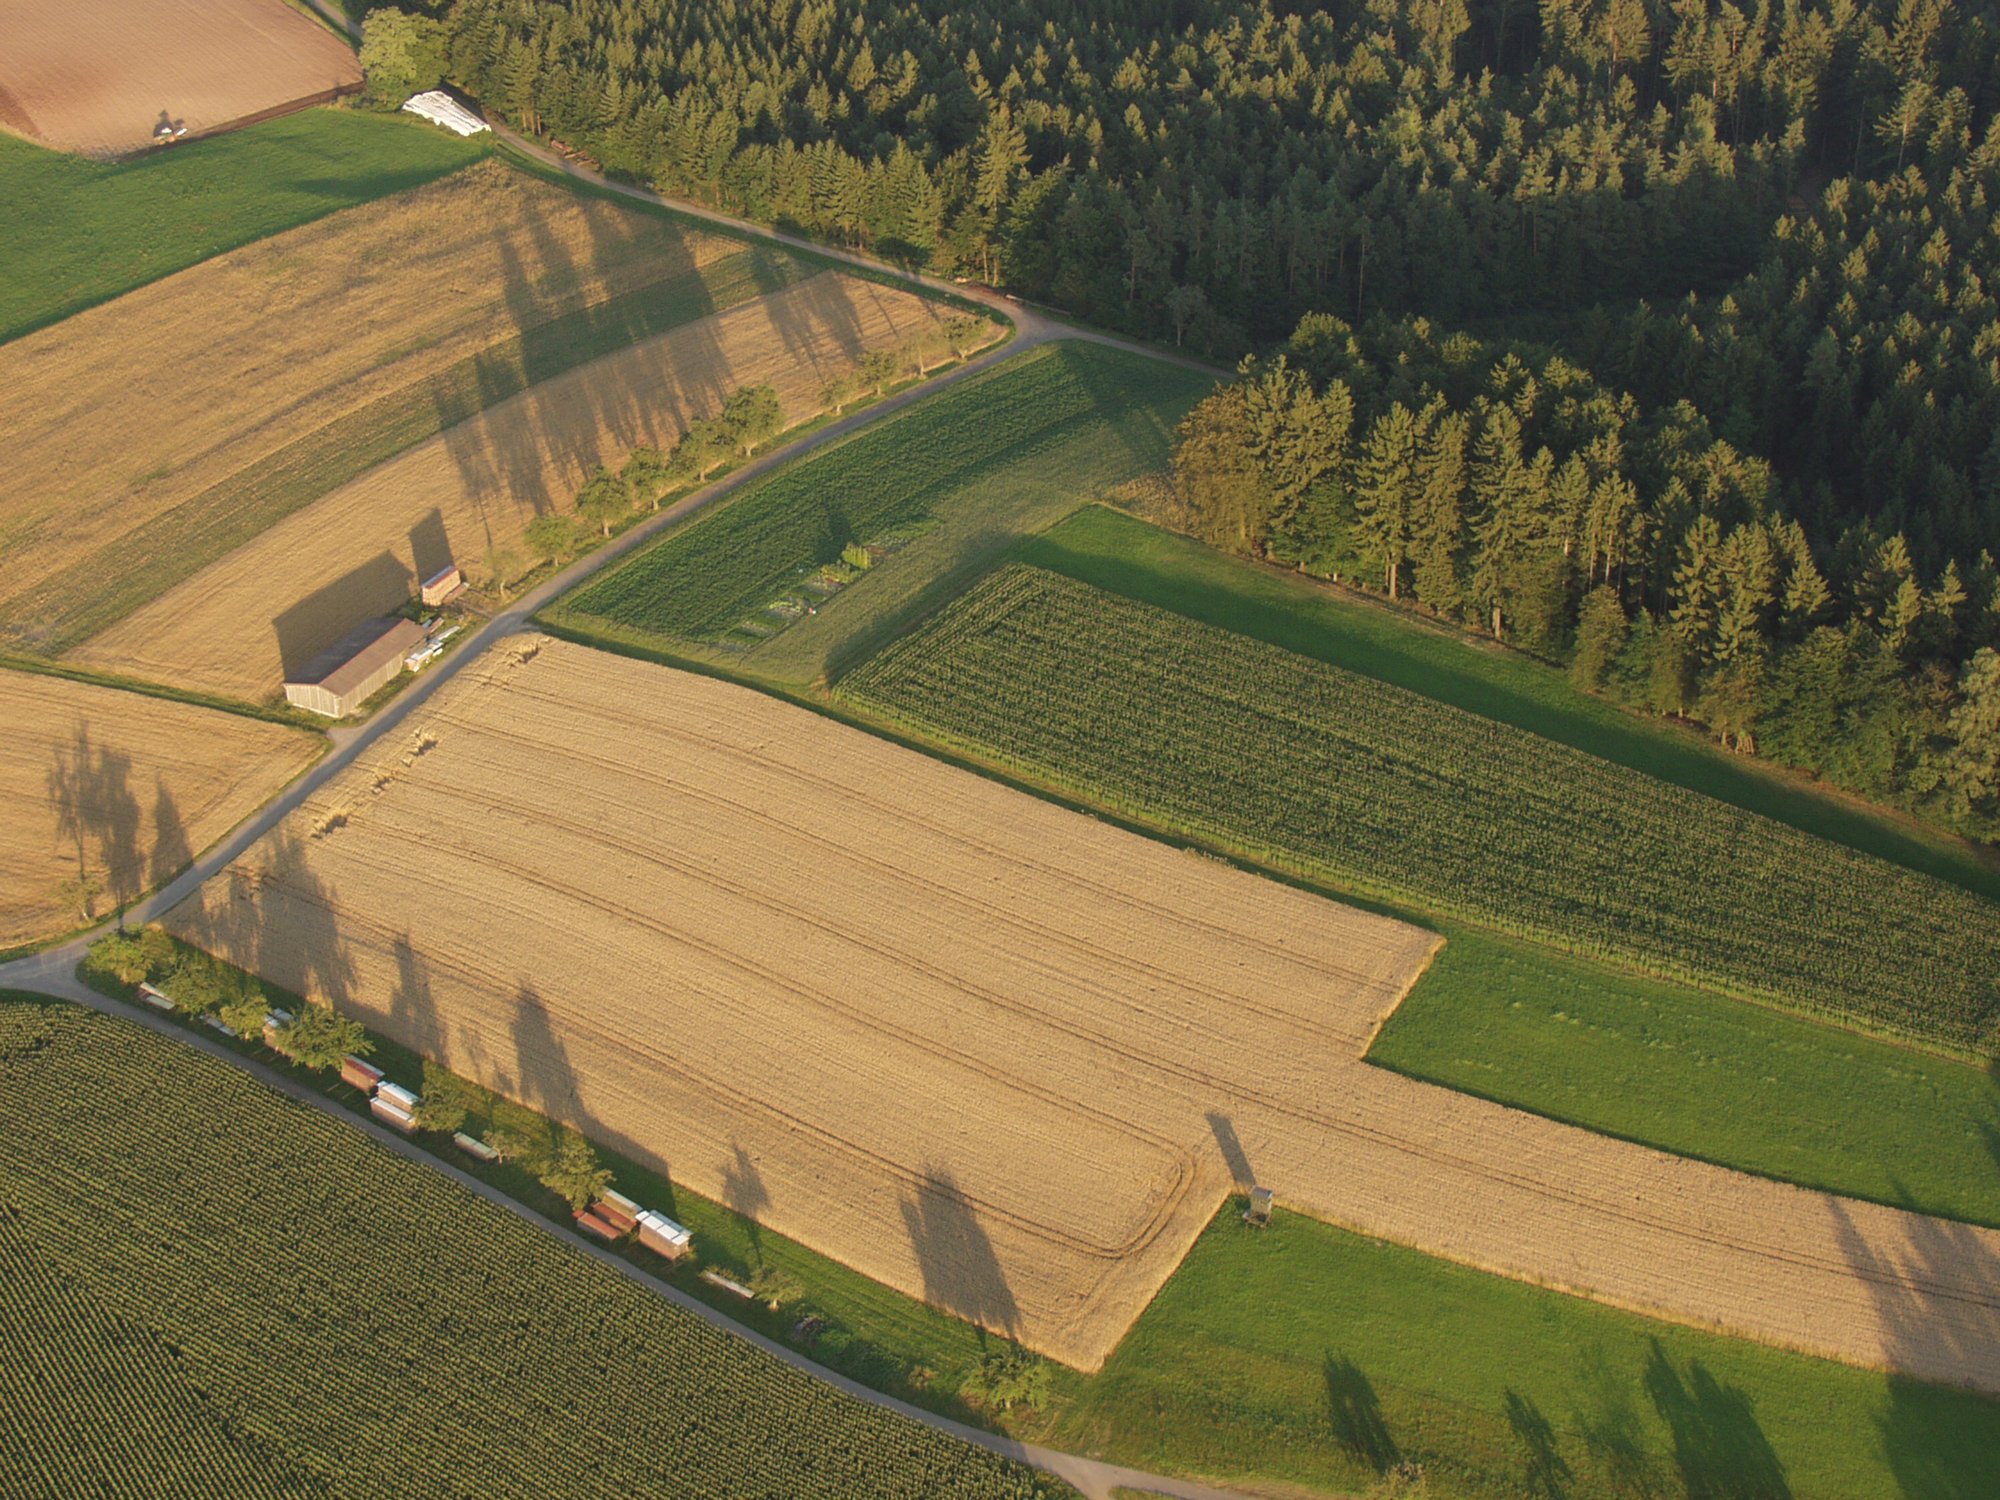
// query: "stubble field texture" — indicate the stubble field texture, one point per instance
point(241, 624)
point(128, 788)
point(206, 1289)
point(957, 1038)
point(97, 76)
point(82, 232)
point(1380, 790)
point(771, 954)
point(157, 432)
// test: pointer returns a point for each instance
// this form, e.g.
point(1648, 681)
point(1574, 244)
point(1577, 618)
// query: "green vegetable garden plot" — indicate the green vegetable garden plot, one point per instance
point(1370, 787)
point(371, 1325)
point(82, 232)
point(699, 582)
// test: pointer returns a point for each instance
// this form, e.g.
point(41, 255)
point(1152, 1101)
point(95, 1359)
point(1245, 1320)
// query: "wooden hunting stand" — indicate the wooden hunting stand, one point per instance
point(1258, 1214)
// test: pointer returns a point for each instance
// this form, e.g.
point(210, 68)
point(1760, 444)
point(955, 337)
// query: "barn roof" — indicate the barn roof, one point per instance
point(362, 651)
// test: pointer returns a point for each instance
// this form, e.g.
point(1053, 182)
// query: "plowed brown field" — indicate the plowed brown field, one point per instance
point(127, 411)
point(986, 1050)
point(96, 75)
point(940, 1030)
point(129, 787)
point(238, 625)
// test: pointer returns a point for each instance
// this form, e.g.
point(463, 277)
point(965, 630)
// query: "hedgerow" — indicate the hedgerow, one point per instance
point(1384, 792)
point(297, 1308)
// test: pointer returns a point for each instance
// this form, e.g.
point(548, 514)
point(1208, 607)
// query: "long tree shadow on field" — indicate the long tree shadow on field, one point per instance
point(1938, 1441)
point(1355, 1414)
point(961, 1273)
point(1719, 1448)
point(1546, 1473)
point(89, 789)
point(546, 1079)
point(312, 958)
point(744, 1191)
point(172, 853)
point(586, 423)
point(413, 1014)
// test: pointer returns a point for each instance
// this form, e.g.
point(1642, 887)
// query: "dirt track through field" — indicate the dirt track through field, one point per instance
point(988, 1051)
point(238, 625)
point(155, 401)
point(97, 76)
point(126, 786)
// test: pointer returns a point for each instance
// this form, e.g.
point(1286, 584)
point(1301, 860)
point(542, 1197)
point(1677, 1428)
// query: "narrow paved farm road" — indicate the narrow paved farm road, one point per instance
point(1094, 1478)
point(53, 971)
point(351, 741)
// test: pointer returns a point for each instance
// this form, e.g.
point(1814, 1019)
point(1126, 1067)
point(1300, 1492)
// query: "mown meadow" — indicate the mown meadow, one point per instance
point(1307, 1355)
point(82, 232)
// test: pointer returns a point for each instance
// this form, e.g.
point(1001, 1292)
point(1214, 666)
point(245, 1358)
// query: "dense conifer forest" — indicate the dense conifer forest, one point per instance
point(1660, 338)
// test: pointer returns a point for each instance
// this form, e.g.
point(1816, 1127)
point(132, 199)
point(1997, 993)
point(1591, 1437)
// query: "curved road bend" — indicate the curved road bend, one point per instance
point(1094, 1478)
point(53, 971)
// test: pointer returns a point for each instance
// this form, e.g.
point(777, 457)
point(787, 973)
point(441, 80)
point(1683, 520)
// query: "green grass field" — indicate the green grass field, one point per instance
point(1127, 556)
point(96, 591)
point(1306, 1354)
point(1702, 1075)
point(1309, 1355)
point(1372, 788)
point(82, 232)
point(296, 1310)
point(948, 486)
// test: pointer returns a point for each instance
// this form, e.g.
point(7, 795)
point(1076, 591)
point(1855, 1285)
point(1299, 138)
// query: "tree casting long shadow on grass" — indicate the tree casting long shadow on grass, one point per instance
point(1719, 1448)
point(1355, 1414)
point(1546, 1473)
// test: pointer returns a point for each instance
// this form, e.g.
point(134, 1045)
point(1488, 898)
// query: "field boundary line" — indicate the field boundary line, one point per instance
point(1096, 1479)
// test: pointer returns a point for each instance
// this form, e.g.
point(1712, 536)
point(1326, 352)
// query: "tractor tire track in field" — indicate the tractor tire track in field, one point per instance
point(811, 869)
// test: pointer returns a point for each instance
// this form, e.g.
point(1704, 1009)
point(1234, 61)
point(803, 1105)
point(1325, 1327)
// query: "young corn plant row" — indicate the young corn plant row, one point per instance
point(314, 1308)
point(1384, 792)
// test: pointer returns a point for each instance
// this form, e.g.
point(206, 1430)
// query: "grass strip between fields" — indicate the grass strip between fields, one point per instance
point(82, 232)
point(1373, 788)
point(96, 591)
point(1309, 1355)
point(370, 1323)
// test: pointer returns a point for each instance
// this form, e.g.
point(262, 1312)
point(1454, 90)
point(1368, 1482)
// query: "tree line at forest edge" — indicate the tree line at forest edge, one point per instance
point(1760, 236)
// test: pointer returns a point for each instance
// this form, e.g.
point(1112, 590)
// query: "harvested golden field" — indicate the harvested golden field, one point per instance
point(240, 624)
point(944, 1032)
point(989, 1051)
point(220, 398)
point(127, 787)
point(97, 76)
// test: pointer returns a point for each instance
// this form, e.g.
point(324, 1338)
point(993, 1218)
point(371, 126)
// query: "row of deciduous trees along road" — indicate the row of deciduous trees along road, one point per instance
point(1752, 245)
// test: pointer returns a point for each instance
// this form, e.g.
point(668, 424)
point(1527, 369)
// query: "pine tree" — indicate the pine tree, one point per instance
point(1386, 480)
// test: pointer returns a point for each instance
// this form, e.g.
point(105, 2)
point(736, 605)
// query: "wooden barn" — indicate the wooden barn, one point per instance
point(340, 678)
